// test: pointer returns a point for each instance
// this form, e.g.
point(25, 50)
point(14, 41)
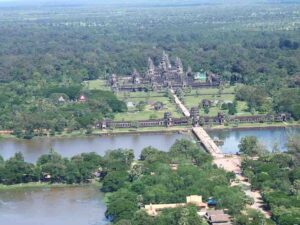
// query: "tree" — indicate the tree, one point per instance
point(183, 147)
point(114, 181)
point(141, 106)
point(294, 149)
point(52, 165)
point(230, 199)
point(250, 146)
point(252, 217)
point(206, 110)
point(16, 170)
point(121, 205)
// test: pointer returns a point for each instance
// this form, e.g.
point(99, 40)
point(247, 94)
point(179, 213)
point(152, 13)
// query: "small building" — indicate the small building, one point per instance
point(200, 76)
point(217, 217)
point(158, 105)
point(211, 202)
point(174, 166)
point(82, 98)
point(196, 200)
point(61, 99)
point(168, 119)
point(195, 116)
point(130, 105)
point(206, 103)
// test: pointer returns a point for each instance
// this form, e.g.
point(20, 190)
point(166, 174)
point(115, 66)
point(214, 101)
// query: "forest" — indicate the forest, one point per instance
point(49, 52)
point(277, 176)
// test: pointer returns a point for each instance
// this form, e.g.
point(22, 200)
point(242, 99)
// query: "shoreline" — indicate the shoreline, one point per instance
point(158, 130)
point(253, 126)
point(39, 185)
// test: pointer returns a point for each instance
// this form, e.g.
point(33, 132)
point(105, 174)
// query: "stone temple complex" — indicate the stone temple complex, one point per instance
point(164, 75)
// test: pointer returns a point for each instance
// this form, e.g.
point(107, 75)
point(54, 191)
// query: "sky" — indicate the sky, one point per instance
point(53, 2)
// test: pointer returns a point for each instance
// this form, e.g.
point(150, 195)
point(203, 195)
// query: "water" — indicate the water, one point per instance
point(84, 205)
point(48, 206)
point(64, 206)
point(68, 147)
point(268, 137)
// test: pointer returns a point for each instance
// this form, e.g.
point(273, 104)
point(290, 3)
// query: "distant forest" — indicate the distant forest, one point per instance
point(248, 44)
point(44, 50)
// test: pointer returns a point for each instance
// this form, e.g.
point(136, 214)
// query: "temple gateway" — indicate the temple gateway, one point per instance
point(164, 75)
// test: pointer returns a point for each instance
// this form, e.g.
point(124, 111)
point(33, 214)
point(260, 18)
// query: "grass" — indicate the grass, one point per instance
point(196, 96)
point(37, 185)
point(212, 91)
point(98, 84)
point(133, 95)
point(257, 125)
point(133, 114)
point(145, 130)
point(191, 101)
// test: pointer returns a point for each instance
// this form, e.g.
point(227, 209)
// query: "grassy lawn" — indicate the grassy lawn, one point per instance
point(149, 111)
point(191, 101)
point(140, 96)
point(212, 91)
point(98, 84)
point(33, 185)
point(196, 97)
point(146, 129)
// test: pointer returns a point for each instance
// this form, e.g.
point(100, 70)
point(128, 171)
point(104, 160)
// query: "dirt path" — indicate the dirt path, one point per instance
point(232, 163)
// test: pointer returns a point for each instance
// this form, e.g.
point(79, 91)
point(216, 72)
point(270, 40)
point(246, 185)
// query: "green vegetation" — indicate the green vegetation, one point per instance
point(51, 168)
point(152, 180)
point(277, 176)
point(216, 97)
point(130, 185)
point(73, 51)
point(37, 108)
point(250, 146)
point(148, 111)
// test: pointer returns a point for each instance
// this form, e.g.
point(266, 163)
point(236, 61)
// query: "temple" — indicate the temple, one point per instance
point(164, 75)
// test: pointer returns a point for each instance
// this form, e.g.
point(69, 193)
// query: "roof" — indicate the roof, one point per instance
point(219, 218)
point(200, 76)
point(130, 104)
point(229, 223)
point(61, 99)
point(214, 212)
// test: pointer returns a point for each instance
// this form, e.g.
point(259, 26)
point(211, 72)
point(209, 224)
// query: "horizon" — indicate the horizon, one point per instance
point(135, 2)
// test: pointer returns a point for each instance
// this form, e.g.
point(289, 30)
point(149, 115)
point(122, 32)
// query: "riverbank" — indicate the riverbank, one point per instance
point(98, 132)
point(38, 185)
point(250, 126)
point(155, 130)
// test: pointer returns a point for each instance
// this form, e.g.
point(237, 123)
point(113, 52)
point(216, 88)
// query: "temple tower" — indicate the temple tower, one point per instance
point(168, 119)
point(135, 77)
point(179, 66)
point(195, 116)
point(114, 82)
point(151, 69)
point(165, 64)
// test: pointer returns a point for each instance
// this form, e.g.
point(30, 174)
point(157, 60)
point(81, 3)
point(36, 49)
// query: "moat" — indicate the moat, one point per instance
point(68, 147)
point(85, 204)
point(56, 205)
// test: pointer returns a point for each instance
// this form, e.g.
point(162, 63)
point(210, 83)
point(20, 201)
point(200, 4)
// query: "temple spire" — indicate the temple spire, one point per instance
point(151, 68)
point(165, 64)
point(179, 66)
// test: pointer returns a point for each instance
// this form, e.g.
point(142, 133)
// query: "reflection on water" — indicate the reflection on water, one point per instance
point(268, 137)
point(52, 206)
point(68, 147)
